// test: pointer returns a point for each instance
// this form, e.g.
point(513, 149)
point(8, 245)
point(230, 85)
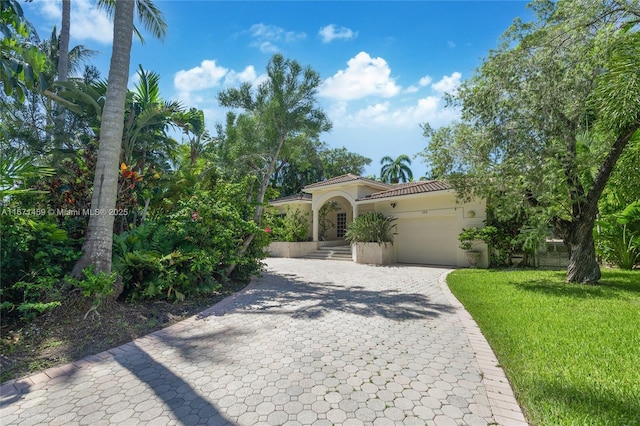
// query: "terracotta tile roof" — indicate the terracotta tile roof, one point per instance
point(409, 188)
point(300, 196)
point(342, 179)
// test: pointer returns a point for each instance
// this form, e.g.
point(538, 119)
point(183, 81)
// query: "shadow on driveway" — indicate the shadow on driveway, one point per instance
point(188, 407)
point(286, 294)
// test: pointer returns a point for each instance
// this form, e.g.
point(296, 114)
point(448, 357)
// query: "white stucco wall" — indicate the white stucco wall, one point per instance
point(429, 224)
point(285, 249)
point(373, 253)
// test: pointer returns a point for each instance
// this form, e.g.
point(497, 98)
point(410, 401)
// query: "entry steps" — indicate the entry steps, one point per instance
point(331, 253)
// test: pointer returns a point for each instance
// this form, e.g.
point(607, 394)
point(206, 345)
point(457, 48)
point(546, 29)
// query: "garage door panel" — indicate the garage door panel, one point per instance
point(430, 241)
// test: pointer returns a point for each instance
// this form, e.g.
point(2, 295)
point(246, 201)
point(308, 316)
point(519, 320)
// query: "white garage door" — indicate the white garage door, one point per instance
point(430, 241)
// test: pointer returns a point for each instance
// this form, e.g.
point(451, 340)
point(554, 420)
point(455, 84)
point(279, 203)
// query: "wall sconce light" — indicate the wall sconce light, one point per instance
point(393, 205)
point(471, 213)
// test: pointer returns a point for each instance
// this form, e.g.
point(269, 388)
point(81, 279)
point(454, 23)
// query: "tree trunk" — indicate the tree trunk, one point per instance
point(578, 234)
point(257, 216)
point(63, 41)
point(583, 267)
point(97, 246)
point(60, 136)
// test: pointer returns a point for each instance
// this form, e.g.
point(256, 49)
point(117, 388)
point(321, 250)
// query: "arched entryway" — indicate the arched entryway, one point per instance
point(331, 216)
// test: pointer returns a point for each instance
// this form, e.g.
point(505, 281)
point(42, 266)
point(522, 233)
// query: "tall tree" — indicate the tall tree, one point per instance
point(309, 161)
point(572, 70)
point(63, 70)
point(278, 110)
point(339, 161)
point(65, 33)
point(299, 165)
point(396, 170)
point(96, 249)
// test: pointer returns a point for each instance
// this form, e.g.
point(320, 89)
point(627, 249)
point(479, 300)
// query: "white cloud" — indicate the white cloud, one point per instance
point(193, 85)
point(386, 115)
point(331, 32)
point(87, 21)
point(205, 76)
point(266, 47)
point(448, 84)
point(247, 75)
point(425, 81)
point(266, 37)
point(50, 9)
point(133, 80)
point(451, 44)
point(364, 76)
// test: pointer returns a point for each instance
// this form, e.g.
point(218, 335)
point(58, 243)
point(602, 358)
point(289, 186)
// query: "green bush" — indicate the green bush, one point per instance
point(371, 227)
point(617, 237)
point(293, 227)
point(620, 247)
point(188, 252)
point(140, 258)
point(96, 286)
point(34, 257)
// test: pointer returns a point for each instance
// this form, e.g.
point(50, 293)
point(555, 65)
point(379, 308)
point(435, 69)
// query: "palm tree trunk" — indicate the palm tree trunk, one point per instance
point(63, 41)
point(63, 72)
point(96, 249)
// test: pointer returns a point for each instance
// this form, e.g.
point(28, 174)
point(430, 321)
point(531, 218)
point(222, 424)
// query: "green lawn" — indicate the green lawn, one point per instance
point(571, 352)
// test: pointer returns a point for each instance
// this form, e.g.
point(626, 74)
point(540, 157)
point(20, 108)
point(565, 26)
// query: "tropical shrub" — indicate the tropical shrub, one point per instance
point(187, 252)
point(35, 254)
point(94, 286)
point(508, 234)
point(293, 227)
point(140, 257)
point(617, 237)
point(371, 227)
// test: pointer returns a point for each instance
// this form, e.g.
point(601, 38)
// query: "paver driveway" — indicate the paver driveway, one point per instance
point(311, 342)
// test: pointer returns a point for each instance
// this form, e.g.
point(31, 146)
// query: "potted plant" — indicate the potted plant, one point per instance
point(468, 238)
point(371, 236)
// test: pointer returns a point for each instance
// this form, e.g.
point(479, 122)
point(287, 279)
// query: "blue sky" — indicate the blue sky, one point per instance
point(385, 65)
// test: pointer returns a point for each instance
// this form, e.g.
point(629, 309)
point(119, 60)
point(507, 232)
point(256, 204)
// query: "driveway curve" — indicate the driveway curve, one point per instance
point(311, 342)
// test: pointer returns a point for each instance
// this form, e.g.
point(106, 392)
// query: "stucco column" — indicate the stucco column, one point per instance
point(355, 210)
point(315, 224)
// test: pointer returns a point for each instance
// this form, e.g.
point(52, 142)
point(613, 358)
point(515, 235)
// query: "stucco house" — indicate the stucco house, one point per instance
point(429, 217)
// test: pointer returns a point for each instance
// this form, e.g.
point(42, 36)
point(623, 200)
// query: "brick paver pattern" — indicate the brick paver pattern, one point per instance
point(311, 342)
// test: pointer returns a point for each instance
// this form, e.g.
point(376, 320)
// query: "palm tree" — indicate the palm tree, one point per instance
point(96, 250)
point(15, 170)
point(395, 171)
point(145, 140)
point(193, 125)
point(63, 47)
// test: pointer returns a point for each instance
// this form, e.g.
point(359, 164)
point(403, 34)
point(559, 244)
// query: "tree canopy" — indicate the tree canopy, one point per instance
point(21, 62)
point(276, 113)
point(546, 117)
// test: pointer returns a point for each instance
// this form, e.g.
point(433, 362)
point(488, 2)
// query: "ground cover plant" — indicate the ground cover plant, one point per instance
point(64, 335)
point(569, 350)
